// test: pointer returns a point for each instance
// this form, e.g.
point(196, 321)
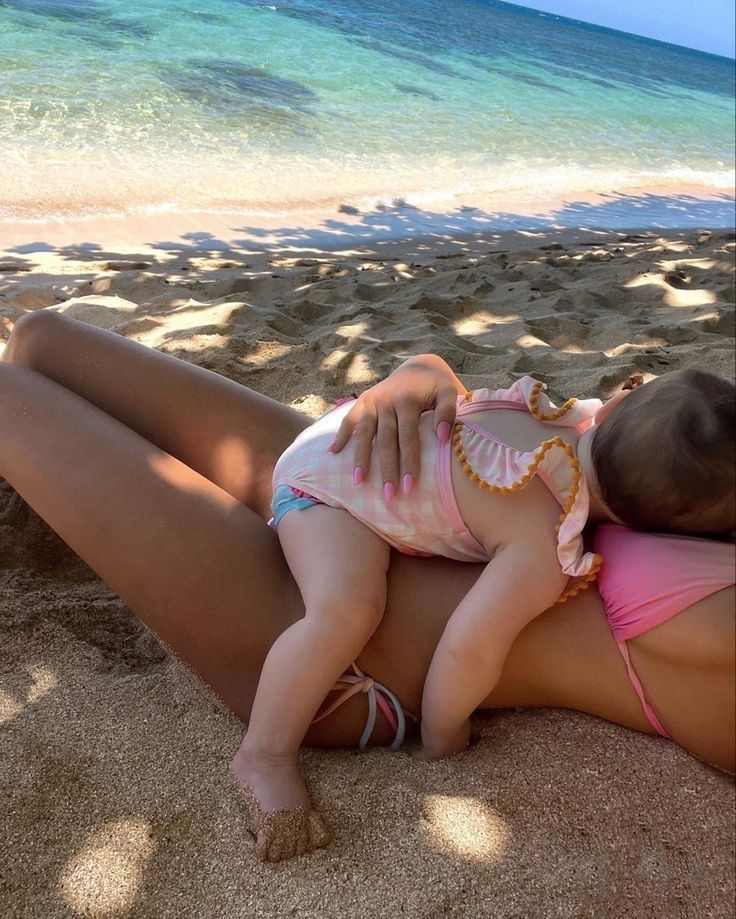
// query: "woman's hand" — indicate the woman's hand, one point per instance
point(389, 412)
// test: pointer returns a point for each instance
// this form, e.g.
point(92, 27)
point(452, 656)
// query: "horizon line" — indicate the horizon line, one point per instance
point(602, 28)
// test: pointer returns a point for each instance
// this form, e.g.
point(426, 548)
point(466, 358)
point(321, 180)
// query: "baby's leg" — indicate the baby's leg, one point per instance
point(340, 566)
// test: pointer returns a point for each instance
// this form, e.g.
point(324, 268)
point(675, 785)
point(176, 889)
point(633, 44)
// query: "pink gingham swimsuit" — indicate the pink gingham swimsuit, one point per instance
point(427, 521)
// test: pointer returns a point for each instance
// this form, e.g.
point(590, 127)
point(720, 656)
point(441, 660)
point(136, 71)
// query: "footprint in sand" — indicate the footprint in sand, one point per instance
point(448, 307)
point(376, 290)
point(285, 325)
point(309, 311)
point(558, 331)
point(719, 323)
point(679, 279)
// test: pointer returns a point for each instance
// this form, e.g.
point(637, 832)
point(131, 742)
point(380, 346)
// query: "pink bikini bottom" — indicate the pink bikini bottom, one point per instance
point(648, 578)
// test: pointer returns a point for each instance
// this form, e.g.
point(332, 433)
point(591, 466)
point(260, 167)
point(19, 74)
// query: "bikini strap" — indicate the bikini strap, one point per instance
point(639, 690)
point(357, 682)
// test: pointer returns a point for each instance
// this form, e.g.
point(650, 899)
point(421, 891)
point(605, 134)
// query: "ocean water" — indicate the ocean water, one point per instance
point(109, 107)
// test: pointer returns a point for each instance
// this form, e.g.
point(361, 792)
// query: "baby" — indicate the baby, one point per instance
point(513, 487)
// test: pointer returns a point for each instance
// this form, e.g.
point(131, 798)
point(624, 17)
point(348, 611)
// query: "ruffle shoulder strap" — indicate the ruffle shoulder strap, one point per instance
point(531, 393)
point(502, 469)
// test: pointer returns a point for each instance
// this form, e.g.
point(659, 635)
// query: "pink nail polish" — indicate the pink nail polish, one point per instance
point(443, 432)
point(388, 491)
point(357, 475)
point(407, 482)
point(331, 448)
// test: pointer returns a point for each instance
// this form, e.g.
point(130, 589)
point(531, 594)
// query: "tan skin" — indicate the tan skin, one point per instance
point(158, 474)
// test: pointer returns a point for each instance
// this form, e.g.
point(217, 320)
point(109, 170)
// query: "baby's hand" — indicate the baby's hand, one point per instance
point(439, 745)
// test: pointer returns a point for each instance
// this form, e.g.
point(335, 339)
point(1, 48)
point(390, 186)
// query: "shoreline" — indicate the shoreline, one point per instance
point(346, 226)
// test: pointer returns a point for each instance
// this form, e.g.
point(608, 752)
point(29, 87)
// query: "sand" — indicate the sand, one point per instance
point(115, 790)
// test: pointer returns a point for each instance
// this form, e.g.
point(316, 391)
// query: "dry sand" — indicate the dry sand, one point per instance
point(116, 795)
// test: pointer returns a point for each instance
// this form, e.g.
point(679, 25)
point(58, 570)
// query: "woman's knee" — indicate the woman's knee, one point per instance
point(29, 330)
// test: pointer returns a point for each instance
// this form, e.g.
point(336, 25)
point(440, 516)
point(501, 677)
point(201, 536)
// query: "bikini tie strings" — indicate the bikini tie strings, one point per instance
point(357, 682)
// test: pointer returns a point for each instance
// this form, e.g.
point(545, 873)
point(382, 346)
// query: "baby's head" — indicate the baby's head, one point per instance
point(664, 456)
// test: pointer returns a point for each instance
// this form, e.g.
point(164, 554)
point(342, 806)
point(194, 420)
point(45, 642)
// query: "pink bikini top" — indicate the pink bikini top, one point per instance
point(498, 467)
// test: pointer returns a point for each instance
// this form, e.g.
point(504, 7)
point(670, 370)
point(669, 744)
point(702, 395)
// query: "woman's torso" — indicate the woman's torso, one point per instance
point(567, 658)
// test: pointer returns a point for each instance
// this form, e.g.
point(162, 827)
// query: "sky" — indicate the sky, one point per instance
point(707, 25)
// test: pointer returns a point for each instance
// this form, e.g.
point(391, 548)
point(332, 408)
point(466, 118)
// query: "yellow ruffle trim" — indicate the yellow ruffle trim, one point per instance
point(538, 456)
point(550, 416)
point(581, 584)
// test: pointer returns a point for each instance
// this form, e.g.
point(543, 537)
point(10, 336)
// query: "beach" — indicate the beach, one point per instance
point(299, 196)
point(116, 795)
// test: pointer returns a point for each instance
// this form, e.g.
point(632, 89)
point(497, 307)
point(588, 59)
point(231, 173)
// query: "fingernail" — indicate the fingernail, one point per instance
point(388, 491)
point(443, 432)
point(407, 482)
point(331, 447)
point(357, 475)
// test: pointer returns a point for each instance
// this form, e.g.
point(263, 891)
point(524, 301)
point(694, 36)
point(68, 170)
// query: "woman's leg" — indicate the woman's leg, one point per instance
point(199, 568)
point(188, 410)
point(226, 432)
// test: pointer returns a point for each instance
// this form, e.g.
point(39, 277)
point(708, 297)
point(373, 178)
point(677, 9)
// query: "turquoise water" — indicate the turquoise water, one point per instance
point(108, 107)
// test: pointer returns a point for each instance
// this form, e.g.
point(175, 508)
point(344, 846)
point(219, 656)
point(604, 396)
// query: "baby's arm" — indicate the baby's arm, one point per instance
point(519, 583)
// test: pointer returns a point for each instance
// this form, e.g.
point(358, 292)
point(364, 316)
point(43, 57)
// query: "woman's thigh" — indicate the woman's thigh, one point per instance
point(203, 571)
point(200, 569)
point(226, 432)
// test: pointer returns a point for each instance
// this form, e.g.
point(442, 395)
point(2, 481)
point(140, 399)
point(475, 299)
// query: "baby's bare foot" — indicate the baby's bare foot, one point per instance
point(280, 814)
point(275, 781)
point(284, 834)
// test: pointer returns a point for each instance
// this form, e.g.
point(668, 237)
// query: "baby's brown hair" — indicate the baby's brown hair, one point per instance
point(665, 456)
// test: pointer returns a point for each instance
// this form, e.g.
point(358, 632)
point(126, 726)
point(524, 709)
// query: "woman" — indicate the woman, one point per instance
point(104, 436)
